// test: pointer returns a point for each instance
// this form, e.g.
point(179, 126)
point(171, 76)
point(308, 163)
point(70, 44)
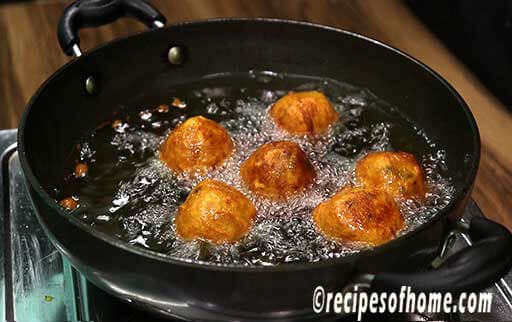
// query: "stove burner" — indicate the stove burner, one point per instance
point(40, 285)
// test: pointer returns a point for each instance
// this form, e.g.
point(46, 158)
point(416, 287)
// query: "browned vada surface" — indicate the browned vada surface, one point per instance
point(304, 113)
point(277, 170)
point(69, 203)
point(215, 212)
point(359, 214)
point(396, 172)
point(196, 145)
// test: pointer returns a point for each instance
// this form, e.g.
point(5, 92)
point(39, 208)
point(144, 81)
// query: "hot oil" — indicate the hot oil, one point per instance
point(131, 194)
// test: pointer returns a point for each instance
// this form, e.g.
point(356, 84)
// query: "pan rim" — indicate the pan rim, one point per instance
point(460, 196)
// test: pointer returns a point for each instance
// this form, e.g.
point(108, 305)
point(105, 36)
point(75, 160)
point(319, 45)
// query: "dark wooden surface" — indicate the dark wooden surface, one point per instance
point(29, 53)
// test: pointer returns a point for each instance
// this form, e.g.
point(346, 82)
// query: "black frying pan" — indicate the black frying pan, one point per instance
point(135, 69)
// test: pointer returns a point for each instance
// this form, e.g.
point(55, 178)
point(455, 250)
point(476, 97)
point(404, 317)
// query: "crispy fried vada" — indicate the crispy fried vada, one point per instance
point(196, 145)
point(359, 214)
point(277, 170)
point(215, 212)
point(304, 113)
point(396, 172)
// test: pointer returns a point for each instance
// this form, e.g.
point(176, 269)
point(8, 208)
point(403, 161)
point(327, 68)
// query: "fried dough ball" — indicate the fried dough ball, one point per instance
point(215, 212)
point(69, 203)
point(81, 170)
point(304, 113)
point(359, 214)
point(198, 144)
point(277, 170)
point(396, 172)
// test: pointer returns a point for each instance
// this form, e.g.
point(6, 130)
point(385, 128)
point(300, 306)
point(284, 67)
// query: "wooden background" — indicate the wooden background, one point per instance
point(29, 53)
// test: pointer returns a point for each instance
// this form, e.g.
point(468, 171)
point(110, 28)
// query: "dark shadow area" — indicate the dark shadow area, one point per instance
point(479, 33)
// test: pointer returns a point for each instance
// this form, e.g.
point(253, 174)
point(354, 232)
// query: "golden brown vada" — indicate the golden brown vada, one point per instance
point(396, 172)
point(81, 170)
point(359, 214)
point(304, 113)
point(69, 203)
point(215, 212)
point(277, 170)
point(196, 145)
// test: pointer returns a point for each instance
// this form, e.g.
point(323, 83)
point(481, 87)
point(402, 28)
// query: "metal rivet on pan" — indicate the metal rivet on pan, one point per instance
point(90, 85)
point(176, 55)
point(158, 24)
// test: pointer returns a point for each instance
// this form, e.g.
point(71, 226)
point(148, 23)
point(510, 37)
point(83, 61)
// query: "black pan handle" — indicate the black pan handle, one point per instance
point(470, 269)
point(92, 13)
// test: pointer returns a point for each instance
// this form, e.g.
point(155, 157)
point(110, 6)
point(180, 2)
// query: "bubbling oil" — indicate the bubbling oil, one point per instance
point(131, 194)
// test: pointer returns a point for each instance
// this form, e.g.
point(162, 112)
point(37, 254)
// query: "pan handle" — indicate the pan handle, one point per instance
point(470, 269)
point(92, 13)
